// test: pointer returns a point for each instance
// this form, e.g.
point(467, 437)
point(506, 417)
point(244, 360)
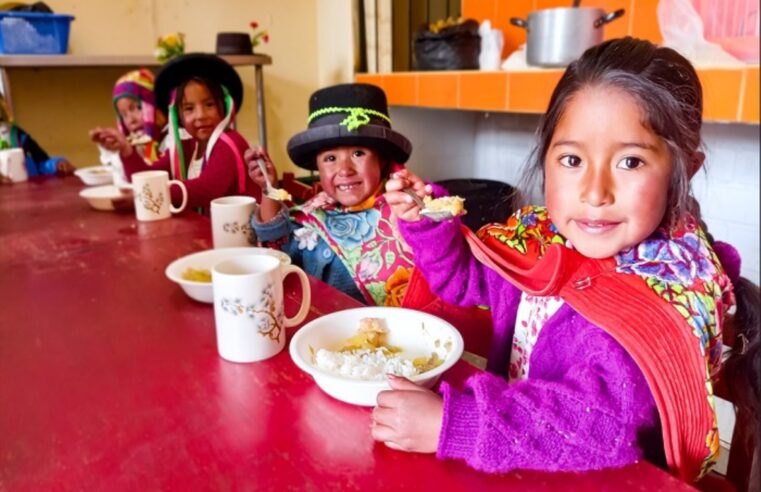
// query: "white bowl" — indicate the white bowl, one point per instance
point(205, 260)
point(107, 197)
point(418, 334)
point(95, 175)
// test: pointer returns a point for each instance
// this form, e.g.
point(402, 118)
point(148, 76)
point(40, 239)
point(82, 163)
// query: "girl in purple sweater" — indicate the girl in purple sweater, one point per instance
point(607, 304)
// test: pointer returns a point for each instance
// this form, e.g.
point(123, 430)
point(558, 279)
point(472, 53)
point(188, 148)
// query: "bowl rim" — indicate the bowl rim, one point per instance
point(88, 171)
point(86, 193)
point(178, 278)
point(315, 372)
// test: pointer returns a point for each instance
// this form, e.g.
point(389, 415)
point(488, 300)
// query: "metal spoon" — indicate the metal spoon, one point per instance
point(270, 191)
point(436, 216)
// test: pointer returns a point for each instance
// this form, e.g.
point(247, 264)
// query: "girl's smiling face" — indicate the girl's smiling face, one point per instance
point(199, 111)
point(131, 113)
point(350, 175)
point(606, 175)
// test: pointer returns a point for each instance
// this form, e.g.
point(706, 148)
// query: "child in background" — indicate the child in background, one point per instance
point(200, 93)
point(136, 115)
point(608, 303)
point(344, 235)
point(38, 163)
point(136, 118)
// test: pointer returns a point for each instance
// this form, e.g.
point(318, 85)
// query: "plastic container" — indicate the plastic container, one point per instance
point(30, 33)
point(732, 25)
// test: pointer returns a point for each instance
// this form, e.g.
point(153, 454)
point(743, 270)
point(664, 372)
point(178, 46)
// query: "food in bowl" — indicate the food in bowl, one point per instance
point(452, 204)
point(200, 275)
point(368, 356)
point(416, 334)
point(201, 290)
point(95, 175)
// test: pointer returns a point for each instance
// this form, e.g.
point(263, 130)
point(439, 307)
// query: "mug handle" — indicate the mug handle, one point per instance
point(306, 295)
point(184, 196)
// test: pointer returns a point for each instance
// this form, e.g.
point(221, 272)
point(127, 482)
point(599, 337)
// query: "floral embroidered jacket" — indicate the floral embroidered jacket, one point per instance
point(596, 393)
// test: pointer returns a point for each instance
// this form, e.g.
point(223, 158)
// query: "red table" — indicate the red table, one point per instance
point(110, 378)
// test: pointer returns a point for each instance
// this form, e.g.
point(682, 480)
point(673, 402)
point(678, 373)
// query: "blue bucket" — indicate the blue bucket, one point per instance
point(31, 33)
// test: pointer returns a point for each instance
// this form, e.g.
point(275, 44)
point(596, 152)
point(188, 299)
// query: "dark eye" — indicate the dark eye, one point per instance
point(570, 161)
point(630, 163)
point(358, 153)
point(329, 158)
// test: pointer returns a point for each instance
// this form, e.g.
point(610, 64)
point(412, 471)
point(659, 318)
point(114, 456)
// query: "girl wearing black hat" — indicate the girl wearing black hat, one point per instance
point(200, 93)
point(345, 235)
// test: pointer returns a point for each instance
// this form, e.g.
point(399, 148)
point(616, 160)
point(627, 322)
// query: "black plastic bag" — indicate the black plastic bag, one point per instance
point(452, 48)
point(37, 7)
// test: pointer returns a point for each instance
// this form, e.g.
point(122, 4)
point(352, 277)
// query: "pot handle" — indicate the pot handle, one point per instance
point(518, 22)
point(609, 17)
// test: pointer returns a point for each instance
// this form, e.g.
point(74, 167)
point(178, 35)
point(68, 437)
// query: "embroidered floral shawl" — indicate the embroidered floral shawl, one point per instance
point(365, 240)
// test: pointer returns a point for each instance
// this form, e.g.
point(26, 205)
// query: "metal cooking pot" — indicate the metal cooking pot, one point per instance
point(558, 36)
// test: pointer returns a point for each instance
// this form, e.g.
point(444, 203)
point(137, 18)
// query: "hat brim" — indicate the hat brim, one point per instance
point(303, 147)
point(211, 67)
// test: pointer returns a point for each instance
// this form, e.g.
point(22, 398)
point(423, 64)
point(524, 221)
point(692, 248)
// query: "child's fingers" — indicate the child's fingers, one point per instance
point(404, 384)
point(394, 198)
point(395, 184)
point(381, 433)
point(384, 416)
point(393, 445)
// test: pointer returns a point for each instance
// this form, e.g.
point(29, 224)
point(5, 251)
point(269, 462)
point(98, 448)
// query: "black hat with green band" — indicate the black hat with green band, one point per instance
point(347, 115)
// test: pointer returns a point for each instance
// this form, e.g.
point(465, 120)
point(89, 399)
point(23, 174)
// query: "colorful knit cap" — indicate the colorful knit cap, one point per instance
point(138, 85)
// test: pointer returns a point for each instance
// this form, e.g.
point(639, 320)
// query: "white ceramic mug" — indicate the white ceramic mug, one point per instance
point(248, 306)
point(231, 221)
point(12, 165)
point(152, 198)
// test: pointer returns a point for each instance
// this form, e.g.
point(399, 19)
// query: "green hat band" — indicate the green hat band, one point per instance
point(356, 118)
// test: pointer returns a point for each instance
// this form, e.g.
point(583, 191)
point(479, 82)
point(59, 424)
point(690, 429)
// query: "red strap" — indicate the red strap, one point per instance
point(238, 162)
point(675, 371)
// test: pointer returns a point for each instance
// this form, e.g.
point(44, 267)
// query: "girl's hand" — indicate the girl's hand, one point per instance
point(401, 204)
point(64, 167)
point(111, 139)
point(254, 171)
point(408, 417)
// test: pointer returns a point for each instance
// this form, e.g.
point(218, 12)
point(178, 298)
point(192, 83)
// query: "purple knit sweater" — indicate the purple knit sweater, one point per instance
point(585, 404)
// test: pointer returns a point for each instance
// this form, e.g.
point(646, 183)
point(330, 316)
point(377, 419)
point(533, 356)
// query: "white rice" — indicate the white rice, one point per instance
point(370, 365)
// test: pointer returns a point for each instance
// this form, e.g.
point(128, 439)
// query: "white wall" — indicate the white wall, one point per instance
point(458, 144)
point(728, 191)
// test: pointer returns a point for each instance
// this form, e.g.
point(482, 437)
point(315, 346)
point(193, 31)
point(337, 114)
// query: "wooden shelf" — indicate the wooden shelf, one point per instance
point(66, 61)
point(730, 95)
